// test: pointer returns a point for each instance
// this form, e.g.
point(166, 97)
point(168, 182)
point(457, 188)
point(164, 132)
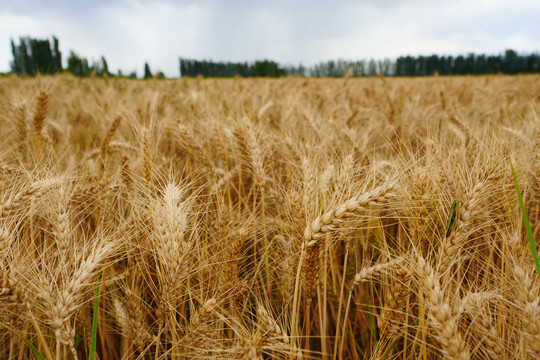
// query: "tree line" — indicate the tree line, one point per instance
point(265, 68)
point(32, 56)
point(510, 62)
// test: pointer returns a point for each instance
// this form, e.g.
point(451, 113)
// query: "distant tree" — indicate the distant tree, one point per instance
point(104, 67)
point(480, 64)
point(42, 55)
point(57, 56)
point(511, 62)
point(18, 65)
point(100, 68)
point(432, 65)
point(29, 68)
point(147, 71)
point(459, 65)
point(292, 70)
point(533, 63)
point(469, 62)
point(267, 68)
point(359, 68)
point(446, 65)
point(77, 65)
point(329, 68)
point(385, 67)
point(372, 68)
point(35, 55)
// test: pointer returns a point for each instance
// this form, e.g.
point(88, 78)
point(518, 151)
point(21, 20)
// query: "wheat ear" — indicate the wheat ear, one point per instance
point(395, 302)
point(173, 248)
point(64, 302)
point(441, 315)
point(528, 301)
point(32, 191)
point(41, 112)
point(466, 212)
point(477, 304)
point(146, 151)
point(328, 222)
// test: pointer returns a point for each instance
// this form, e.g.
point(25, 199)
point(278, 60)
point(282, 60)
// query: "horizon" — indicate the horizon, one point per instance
point(253, 61)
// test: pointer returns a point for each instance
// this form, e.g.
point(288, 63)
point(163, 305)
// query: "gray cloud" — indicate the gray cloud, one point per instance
point(130, 32)
point(56, 8)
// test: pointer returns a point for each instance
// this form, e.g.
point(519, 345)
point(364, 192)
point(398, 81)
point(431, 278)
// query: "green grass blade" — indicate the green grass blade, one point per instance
point(39, 355)
point(371, 321)
point(93, 336)
point(358, 348)
point(527, 225)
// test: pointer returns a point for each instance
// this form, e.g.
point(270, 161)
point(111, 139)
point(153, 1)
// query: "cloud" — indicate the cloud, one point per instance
point(56, 8)
point(130, 32)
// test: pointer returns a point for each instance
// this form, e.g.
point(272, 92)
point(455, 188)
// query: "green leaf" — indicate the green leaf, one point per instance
point(358, 348)
point(371, 320)
point(527, 225)
point(39, 355)
point(93, 336)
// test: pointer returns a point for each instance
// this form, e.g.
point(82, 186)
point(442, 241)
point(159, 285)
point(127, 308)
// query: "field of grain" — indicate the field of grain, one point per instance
point(269, 218)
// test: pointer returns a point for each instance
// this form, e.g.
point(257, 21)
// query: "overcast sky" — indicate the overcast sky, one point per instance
point(130, 32)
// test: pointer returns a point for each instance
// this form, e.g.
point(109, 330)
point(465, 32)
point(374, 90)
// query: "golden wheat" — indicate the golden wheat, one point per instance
point(289, 218)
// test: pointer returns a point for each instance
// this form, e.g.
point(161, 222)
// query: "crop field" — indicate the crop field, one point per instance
point(291, 218)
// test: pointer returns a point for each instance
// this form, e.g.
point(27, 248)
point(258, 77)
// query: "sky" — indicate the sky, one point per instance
point(131, 32)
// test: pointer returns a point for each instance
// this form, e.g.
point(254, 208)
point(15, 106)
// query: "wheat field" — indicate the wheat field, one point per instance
point(288, 218)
